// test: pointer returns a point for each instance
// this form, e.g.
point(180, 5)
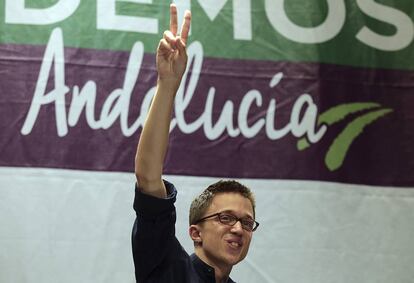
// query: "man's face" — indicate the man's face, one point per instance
point(223, 245)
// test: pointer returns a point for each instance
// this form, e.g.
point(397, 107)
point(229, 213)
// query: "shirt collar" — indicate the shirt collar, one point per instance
point(205, 271)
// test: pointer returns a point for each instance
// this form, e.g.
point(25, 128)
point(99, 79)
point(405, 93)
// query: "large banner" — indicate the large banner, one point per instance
point(272, 91)
point(301, 100)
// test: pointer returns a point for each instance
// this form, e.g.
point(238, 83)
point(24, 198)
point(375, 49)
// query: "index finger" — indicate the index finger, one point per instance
point(185, 28)
point(173, 19)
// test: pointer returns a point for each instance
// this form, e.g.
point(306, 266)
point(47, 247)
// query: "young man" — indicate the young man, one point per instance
point(221, 218)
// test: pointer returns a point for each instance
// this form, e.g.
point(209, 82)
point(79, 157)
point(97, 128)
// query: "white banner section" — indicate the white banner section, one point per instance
point(75, 226)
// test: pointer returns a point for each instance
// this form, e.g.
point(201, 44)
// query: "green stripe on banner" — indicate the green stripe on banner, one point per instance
point(364, 33)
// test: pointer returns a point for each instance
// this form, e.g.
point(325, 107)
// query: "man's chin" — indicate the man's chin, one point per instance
point(235, 256)
point(234, 259)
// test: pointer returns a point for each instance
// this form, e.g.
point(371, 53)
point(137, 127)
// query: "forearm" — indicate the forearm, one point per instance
point(171, 59)
point(153, 143)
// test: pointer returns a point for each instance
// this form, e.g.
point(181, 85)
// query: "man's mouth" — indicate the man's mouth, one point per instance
point(235, 243)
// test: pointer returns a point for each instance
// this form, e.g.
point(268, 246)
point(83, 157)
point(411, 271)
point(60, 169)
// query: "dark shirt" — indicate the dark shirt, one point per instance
point(158, 255)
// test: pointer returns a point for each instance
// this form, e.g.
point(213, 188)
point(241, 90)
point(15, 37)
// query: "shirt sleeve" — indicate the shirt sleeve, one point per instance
point(154, 230)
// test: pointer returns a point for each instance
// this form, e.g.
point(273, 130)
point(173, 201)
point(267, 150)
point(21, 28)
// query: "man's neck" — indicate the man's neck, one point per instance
point(221, 271)
point(220, 277)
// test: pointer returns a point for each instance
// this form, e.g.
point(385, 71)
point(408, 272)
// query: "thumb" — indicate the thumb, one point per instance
point(181, 46)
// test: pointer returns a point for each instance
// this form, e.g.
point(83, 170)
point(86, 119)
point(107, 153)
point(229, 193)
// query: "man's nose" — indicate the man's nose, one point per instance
point(237, 227)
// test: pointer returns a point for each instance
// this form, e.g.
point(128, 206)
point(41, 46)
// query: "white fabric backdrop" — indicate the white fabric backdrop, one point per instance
point(75, 226)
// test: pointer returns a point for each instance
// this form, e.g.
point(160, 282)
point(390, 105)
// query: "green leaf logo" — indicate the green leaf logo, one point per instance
point(336, 154)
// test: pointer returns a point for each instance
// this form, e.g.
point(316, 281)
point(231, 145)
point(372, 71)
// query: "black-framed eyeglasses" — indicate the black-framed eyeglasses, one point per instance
point(247, 223)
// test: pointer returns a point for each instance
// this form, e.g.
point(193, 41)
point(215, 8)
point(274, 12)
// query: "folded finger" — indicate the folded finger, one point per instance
point(164, 46)
point(169, 37)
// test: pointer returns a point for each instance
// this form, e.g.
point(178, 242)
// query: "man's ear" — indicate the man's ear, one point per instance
point(195, 234)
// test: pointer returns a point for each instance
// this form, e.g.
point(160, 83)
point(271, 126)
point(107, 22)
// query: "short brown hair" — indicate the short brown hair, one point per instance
point(201, 203)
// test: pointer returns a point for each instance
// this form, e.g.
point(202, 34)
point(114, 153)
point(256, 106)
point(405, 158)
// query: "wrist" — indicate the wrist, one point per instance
point(169, 83)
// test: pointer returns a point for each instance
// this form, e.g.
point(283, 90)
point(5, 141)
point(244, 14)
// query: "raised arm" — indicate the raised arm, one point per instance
point(153, 143)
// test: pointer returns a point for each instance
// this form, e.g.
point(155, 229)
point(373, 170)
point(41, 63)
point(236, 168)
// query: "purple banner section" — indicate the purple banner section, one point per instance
point(84, 109)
